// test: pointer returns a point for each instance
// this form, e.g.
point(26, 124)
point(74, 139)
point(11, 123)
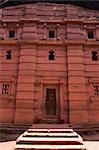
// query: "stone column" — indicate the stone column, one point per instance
point(76, 85)
point(45, 31)
point(25, 85)
point(38, 100)
point(62, 117)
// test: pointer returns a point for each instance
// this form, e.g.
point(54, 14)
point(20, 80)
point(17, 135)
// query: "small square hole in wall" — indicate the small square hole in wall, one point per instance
point(11, 33)
point(90, 34)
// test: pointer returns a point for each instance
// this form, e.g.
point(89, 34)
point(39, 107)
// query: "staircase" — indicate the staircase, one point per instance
point(52, 137)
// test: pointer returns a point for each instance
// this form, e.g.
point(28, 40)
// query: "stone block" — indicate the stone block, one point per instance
point(76, 73)
point(25, 95)
point(29, 35)
point(27, 66)
point(28, 47)
point(93, 104)
point(77, 87)
point(92, 67)
point(54, 67)
point(26, 79)
point(77, 96)
point(27, 59)
point(97, 34)
point(7, 103)
point(78, 67)
point(78, 117)
point(93, 116)
point(9, 73)
point(78, 105)
point(25, 87)
point(9, 66)
point(71, 36)
point(75, 59)
point(6, 115)
point(77, 80)
point(27, 72)
point(23, 116)
point(24, 104)
point(46, 73)
point(29, 29)
point(14, 60)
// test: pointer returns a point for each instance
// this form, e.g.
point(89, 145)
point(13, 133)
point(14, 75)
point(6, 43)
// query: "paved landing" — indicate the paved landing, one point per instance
point(49, 126)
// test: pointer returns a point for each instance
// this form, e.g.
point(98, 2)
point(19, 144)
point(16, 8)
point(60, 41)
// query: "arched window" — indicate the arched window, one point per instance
point(94, 56)
point(8, 54)
point(51, 55)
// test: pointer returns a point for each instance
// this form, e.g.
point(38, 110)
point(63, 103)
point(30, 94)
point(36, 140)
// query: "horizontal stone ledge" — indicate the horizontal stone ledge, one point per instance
point(48, 42)
point(83, 20)
point(78, 109)
point(8, 97)
point(62, 21)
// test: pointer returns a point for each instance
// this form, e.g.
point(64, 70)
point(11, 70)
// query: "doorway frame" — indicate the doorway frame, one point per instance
point(56, 87)
point(60, 83)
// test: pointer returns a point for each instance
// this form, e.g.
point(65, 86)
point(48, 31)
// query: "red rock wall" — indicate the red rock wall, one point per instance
point(29, 71)
point(8, 75)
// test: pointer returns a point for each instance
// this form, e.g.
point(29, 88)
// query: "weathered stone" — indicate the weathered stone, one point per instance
point(50, 75)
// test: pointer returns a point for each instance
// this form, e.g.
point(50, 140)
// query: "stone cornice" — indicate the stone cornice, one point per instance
point(52, 20)
point(10, 20)
point(82, 21)
point(49, 42)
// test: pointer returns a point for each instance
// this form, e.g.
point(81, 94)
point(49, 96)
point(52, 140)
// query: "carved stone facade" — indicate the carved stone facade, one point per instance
point(49, 64)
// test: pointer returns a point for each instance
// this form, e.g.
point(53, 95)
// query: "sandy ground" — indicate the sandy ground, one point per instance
point(90, 145)
point(7, 145)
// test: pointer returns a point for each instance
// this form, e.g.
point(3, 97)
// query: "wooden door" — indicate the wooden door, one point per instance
point(51, 104)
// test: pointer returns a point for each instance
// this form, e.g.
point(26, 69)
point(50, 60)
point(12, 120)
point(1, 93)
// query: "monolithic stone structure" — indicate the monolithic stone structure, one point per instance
point(49, 64)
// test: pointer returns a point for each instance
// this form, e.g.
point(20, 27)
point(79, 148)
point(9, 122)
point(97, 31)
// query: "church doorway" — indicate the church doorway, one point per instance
point(51, 102)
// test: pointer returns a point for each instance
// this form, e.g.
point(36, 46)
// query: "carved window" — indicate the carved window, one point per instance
point(51, 55)
point(8, 54)
point(5, 89)
point(96, 89)
point(94, 56)
point(51, 34)
point(11, 33)
point(90, 34)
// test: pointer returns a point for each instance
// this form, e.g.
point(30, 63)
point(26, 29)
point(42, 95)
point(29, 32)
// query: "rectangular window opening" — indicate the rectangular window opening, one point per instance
point(90, 34)
point(11, 33)
point(51, 34)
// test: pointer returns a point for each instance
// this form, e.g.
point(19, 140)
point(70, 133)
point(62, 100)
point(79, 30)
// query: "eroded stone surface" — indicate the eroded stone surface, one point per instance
point(34, 88)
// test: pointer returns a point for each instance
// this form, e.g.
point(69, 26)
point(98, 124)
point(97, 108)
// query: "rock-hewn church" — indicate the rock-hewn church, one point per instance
point(49, 64)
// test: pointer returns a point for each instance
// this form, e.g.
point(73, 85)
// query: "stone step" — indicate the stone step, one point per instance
point(50, 130)
point(50, 147)
point(50, 126)
point(51, 121)
point(49, 138)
